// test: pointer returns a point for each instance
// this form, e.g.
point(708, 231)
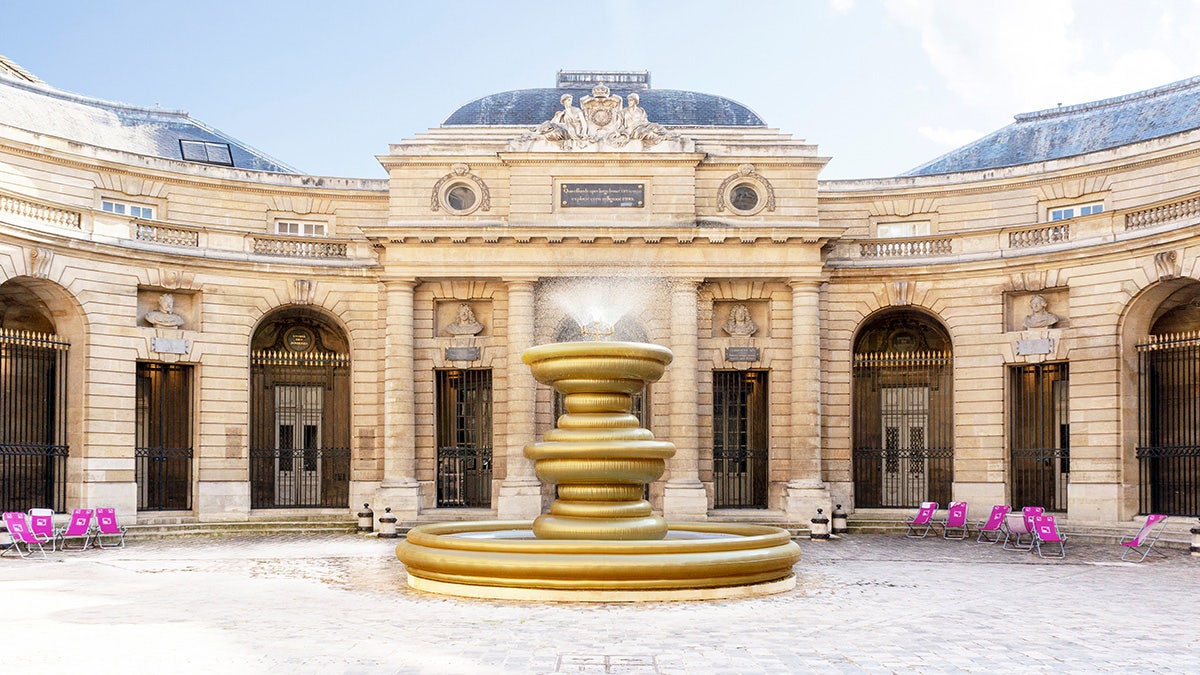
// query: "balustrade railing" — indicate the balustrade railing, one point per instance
point(1163, 213)
point(1038, 236)
point(167, 234)
point(36, 211)
point(905, 247)
point(299, 248)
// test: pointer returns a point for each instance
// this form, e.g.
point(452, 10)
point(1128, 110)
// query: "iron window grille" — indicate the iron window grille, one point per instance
point(464, 438)
point(740, 450)
point(300, 430)
point(1168, 452)
point(164, 437)
point(1039, 435)
point(33, 427)
point(903, 451)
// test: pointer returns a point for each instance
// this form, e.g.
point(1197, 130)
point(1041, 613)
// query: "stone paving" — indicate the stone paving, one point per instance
point(338, 603)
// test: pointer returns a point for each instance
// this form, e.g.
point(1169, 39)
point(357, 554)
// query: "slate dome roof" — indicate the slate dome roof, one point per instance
point(669, 107)
point(28, 103)
point(1066, 131)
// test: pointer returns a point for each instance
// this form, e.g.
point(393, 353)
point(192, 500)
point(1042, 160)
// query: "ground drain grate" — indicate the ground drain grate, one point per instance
point(599, 663)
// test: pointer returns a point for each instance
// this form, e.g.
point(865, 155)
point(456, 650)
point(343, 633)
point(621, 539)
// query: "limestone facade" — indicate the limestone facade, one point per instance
point(398, 257)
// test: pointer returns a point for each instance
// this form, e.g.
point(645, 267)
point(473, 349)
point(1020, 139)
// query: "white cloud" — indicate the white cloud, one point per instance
point(841, 6)
point(950, 138)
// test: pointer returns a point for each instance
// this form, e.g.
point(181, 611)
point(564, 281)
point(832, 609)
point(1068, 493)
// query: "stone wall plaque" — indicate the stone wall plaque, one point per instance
point(462, 353)
point(162, 345)
point(1041, 346)
point(610, 195)
point(741, 354)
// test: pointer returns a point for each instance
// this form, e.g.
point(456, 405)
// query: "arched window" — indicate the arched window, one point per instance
point(33, 403)
point(299, 413)
point(903, 415)
point(1168, 450)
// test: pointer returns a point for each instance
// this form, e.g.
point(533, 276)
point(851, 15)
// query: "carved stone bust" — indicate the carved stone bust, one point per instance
point(465, 323)
point(1039, 316)
point(164, 316)
point(739, 322)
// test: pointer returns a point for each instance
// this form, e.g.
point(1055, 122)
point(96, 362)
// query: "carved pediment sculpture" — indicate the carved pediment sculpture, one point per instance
point(601, 120)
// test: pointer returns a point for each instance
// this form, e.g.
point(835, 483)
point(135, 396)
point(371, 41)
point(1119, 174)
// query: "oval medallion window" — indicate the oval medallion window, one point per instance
point(744, 198)
point(461, 198)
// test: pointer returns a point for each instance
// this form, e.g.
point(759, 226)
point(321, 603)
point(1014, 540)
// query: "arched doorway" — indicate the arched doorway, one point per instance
point(33, 401)
point(299, 412)
point(903, 414)
point(1168, 393)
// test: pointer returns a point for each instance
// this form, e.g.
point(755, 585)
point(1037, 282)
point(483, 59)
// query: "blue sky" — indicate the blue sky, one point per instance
point(880, 86)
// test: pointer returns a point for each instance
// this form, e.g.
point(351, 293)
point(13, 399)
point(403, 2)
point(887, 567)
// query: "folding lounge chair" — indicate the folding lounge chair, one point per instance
point(1045, 531)
point(1143, 541)
point(1016, 527)
point(994, 526)
point(956, 520)
point(17, 523)
point(41, 521)
point(80, 527)
point(106, 525)
point(923, 519)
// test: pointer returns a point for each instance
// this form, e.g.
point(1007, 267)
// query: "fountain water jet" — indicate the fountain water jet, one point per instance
point(599, 541)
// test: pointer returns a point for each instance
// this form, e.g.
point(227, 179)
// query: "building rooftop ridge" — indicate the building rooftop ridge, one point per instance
point(1065, 110)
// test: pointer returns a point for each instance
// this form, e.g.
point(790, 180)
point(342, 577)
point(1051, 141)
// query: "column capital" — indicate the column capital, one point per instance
point(400, 283)
point(805, 283)
point(523, 283)
point(684, 284)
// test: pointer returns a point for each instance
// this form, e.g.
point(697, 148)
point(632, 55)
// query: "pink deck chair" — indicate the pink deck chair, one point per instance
point(1017, 525)
point(993, 527)
point(17, 523)
point(956, 521)
point(41, 521)
point(1143, 542)
point(924, 518)
point(1045, 531)
point(80, 527)
point(106, 525)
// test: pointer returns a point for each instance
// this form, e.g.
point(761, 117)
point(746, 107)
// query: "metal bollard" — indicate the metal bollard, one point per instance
point(387, 524)
point(366, 519)
point(820, 526)
point(840, 522)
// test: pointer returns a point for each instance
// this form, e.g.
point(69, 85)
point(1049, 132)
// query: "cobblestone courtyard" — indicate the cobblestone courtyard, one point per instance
point(339, 604)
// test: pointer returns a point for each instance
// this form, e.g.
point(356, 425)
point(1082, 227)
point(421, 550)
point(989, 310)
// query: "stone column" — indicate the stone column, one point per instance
point(684, 497)
point(805, 491)
point(399, 488)
point(521, 491)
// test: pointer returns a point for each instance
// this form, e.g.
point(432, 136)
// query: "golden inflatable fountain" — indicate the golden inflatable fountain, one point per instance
point(599, 541)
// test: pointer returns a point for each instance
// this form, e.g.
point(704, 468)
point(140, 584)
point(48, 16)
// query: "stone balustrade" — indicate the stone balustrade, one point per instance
point(299, 247)
point(40, 212)
point(171, 235)
point(1163, 213)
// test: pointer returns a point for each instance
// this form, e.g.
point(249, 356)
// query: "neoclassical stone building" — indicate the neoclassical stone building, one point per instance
point(192, 330)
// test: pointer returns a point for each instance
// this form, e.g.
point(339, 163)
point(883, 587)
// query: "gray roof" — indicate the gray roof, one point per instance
point(39, 108)
point(669, 107)
point(1066, 131)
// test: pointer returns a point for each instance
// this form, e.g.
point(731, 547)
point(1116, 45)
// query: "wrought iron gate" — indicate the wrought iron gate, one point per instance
point(33, 426)
point(164, 436)
point(1168, 450)
point(740, 423)
point(903, 450)
point(300, 430)
point(1039, 435)
point(464, 438)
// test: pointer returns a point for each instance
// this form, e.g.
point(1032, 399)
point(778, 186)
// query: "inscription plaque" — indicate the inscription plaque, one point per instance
point(741, 354)
point(1042, 346)
point(610, 195)
point(169, 345)
point(462, 353)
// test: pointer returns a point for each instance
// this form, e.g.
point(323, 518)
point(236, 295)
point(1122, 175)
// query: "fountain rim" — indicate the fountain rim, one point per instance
point(597, 350)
